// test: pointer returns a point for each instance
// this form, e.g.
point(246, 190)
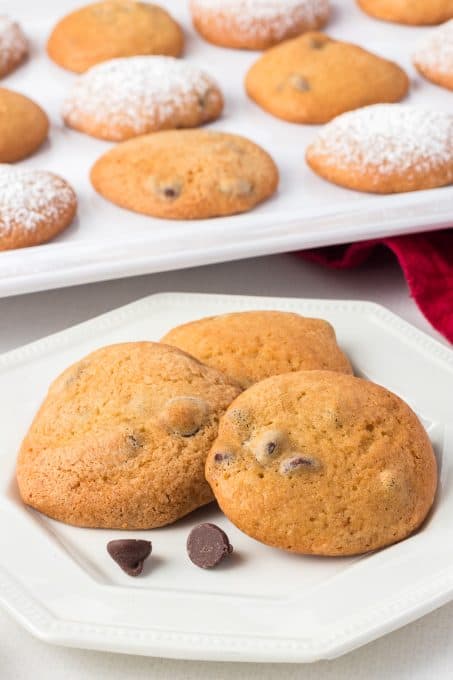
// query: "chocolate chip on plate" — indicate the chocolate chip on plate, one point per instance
point(207, 545)
point(129, 554)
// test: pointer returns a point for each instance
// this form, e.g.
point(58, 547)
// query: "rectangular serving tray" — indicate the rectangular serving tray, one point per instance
point(107, 242)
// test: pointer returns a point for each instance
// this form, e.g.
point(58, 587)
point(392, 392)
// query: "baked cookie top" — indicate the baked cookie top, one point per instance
point(414, 12)
point(123, 98)
point(13, 45)
point(322, 463)
point(186, 174)
point(23, 126)
point(434, 55)
point(251, 346)
point(34, 206)
point(122, 437)
point(385, 149)
point(313, 78)
point(257, 24)
point(110, 29)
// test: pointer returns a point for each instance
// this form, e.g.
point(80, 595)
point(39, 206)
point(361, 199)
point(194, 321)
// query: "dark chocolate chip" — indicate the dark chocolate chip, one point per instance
point(296, 463)
point(129, 554)
point(207, 545)
point(317, 44)
point(299, 83)
point(223, 457)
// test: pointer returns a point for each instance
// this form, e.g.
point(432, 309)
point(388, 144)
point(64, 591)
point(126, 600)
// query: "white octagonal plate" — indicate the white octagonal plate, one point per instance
point(263, 604)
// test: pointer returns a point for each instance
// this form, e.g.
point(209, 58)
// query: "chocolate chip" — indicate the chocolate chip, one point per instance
point(129, 554)
point(299, 83)
point(207, 545)
point(167, 189)
point(267, 445)
point(297, 463)
point(223, 457)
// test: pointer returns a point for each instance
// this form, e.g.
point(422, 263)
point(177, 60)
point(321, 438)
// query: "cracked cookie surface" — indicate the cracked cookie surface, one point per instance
point(322, 463)
point(121, 439)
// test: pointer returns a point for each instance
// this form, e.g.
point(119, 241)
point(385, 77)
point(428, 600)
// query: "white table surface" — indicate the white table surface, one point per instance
point(420, 651)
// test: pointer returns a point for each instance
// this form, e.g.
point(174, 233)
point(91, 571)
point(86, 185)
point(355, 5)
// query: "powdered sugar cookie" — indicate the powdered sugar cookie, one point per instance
point(35, 205)
point(23, 126)
point(312, 79)
point(434, 56)
point(412, 12)
point(122, 98)
point(386, 149)
point(111, 29)
point(13, 45)
point(256, 24)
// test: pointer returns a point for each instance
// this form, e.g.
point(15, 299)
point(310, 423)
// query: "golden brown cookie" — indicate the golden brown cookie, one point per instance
point(321, 463)
point(412, 12)
point(186, 174)
point(385, 149)
point(256, 24)
point(35, 206)
point(121, 439)
point(434, 56)
point(123, 98)
point(13, 45)
point(313, 78)
point(110, 29)
point(23, 126)
point(251, 346)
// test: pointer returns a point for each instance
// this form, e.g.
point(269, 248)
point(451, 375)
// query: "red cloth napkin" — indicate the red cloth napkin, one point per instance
point(427, 263)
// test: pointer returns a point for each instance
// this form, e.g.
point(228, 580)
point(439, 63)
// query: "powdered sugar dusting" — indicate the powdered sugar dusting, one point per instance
point(436, 50)
point(13, 43)
point(31, 198)
point(139, 93)
point(257, 17)
point(387, 138)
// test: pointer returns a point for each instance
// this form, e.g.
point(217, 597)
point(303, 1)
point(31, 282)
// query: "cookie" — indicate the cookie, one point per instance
point(434, 56)
point(35, 205)
point(186, 174)
point(123, 98)
point(385, 149)
point(256, 24)
point(13, 45)
point(110, 29)
point(313, 78)
point(251, 346)
point(23, 126)
point(121, 439)
point(412, 12)
point(321, 463)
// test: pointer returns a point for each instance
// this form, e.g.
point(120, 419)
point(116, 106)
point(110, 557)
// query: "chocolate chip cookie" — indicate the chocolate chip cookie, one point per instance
point(412, 12)
point(321, 463)
point(110, 29)
point(121, 439)
point(186, 174)
point(314, 78)
point(251, 346)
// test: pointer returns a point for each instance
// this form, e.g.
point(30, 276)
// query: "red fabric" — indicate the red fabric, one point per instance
point(427, 263)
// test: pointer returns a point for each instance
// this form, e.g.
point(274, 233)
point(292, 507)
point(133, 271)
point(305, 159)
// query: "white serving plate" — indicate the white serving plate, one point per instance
point(263, 604)
point(107, 242)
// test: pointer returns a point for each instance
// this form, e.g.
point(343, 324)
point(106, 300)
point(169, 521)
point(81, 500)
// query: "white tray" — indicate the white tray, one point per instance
point(264, 604)
point(108, 242)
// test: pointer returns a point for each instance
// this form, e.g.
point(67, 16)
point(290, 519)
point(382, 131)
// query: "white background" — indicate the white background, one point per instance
point(423, 650)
